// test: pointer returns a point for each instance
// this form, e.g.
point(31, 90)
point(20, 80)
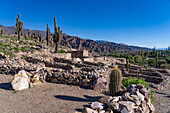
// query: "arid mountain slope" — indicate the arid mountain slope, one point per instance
point(82, 44)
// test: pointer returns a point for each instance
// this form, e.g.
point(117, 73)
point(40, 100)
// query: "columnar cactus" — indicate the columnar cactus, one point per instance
point(40, 38)
point(28, 33)
point(127, 65)
point(156, 58)
point(19, 26)
point(115, 81)
point(48, 35)
point(57, 35)
point(1, 32)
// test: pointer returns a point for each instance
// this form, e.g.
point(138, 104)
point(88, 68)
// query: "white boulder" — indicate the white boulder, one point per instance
point(20, 81)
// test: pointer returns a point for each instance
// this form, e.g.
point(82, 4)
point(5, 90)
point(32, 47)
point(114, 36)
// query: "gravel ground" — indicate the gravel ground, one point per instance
point(59, 98)
point(162, 100)
point(44, 98)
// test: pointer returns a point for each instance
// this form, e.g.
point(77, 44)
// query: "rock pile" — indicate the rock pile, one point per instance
point(136, 99)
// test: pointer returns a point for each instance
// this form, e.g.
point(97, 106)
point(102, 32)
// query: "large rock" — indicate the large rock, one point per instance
point(97, 105)
point(128, 104)
point(20, 81)
point(88, 110)
point(100, 84)
point(132, 88)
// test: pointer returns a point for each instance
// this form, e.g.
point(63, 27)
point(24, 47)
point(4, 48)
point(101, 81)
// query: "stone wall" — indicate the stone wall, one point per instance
point(63, 55)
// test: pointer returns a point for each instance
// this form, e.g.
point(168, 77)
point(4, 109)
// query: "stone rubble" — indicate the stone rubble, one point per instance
point(137, 98)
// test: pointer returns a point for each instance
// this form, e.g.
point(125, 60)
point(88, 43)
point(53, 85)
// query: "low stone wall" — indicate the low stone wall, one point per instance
point(91, 59)
point(63, 55)
point(72, 78)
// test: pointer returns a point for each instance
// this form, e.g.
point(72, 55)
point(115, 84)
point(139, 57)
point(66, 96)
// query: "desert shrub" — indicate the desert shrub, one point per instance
point(160, 62)
point(62, 51)
point(16, 48)
point(31, 43)
point(14, 43)
point(24, 48)
point(14, 39)
point(24, 57)
point(9, 53)
point(168, 59)
point(151, 62)
point(7, 37)
point(138, 59)
point(129, 80)
point(21, 41)
point(1, 44)
point(1, 48)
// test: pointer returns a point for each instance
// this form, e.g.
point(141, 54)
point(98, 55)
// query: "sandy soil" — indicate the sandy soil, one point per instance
point(44, 98)
point(162, 99)
point(59, 98)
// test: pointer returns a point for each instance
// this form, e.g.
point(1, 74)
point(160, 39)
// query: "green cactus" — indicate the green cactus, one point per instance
point(40, 38)
point(1, 32)
point(115, 81)
point(57, 35)
point(19, 26)
point(32, 35)
point(28, 33)
point(127, 65)
point(48, 35)
point(156, 58)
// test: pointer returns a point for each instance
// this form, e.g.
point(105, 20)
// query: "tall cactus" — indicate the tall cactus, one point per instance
point(57, 35)
point(40, 38)
point(0, 31)
point(127, 65)
point(28, 33)
point(115, 81)
point(48, 35)
point(156, 58)
point(19, 26)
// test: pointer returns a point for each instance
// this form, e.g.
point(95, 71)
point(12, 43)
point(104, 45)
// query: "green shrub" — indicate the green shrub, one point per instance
point(31, 43)
point(9, 53)
point(129, 80)
point(21, 42)
point(24, 57)
point(7, 37)
point(14, 39)
point(24, 48)
point(16, 49)
point(1, 44)
point(2, 48)
point(14, 43)
point(62, 51)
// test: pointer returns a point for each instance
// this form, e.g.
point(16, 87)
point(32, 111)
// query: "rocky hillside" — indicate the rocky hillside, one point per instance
point(78, 43)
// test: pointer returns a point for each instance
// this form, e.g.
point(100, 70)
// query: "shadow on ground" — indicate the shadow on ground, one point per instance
point(78, 99)
point(6, 86)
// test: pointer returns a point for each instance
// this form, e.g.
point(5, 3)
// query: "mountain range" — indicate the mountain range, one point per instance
point(75, 42)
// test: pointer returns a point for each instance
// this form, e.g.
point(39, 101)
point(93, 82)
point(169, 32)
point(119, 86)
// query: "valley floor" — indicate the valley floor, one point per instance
point(58, 98)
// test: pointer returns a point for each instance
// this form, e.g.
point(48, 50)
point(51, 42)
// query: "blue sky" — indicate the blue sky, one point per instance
point(143, 23)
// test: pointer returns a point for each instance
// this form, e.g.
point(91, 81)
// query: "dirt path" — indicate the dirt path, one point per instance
point(45, 98)
point(162, 100)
